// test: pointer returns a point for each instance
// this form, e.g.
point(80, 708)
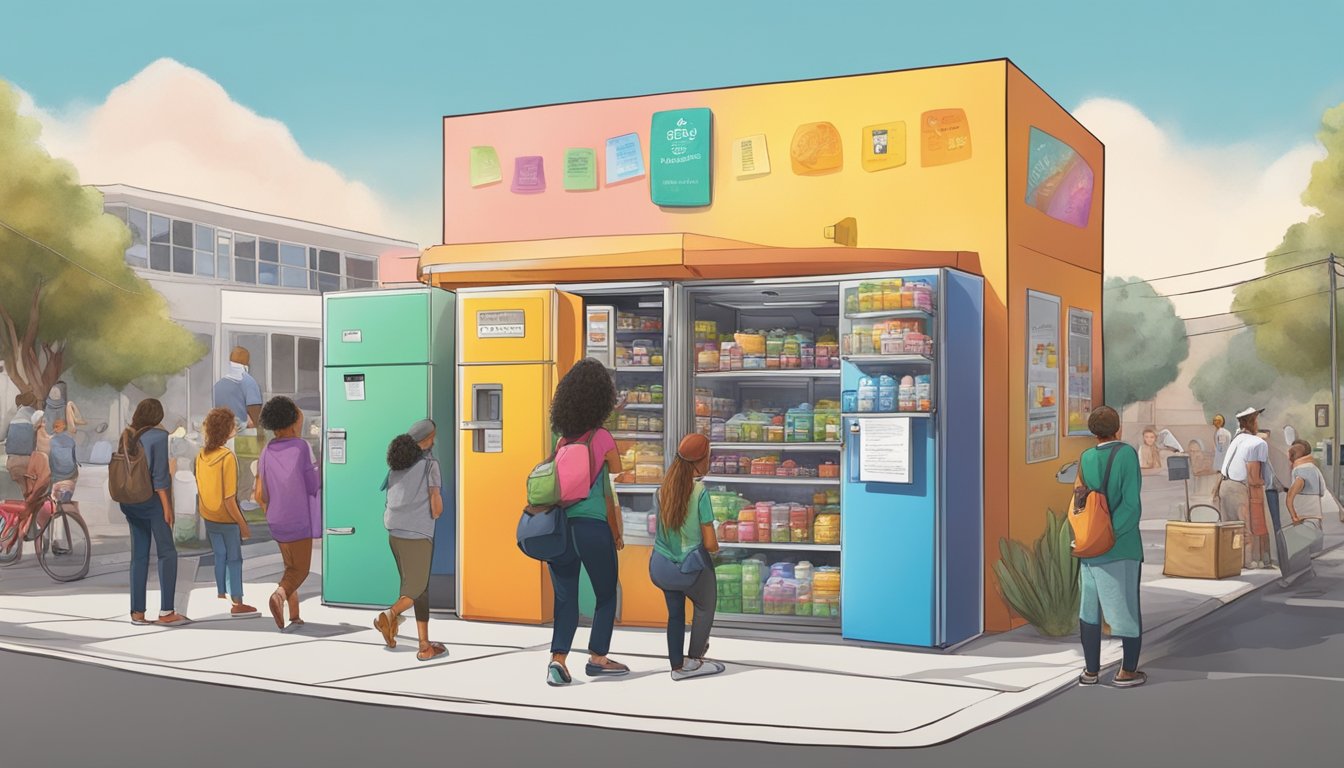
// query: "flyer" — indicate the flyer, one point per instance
point(679, 156)
point(1043, 372)
point(1080, 371)
point(580, 169)
point(625, 158)
point(529, 176)
point(485, 166)
point(751, 157)
point(884, 451)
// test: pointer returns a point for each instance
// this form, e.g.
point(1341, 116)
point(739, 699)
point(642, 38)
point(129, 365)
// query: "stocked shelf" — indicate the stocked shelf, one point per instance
point(885, 415)
point(771, 374)
point(639, 488)
point(642, 407)
point(888, 359)
point(639, 369)
point(637, 435)
point(766, 618)
point(892, 314)
point(771, 480)
point(785, 547)
point(781, 447)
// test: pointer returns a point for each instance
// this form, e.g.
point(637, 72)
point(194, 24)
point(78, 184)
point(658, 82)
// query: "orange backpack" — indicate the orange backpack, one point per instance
point(1090, 514)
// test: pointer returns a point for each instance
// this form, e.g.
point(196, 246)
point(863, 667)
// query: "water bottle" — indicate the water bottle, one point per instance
point(867, 395)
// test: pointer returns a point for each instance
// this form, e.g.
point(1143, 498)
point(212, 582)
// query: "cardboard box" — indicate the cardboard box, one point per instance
point(1204, 550)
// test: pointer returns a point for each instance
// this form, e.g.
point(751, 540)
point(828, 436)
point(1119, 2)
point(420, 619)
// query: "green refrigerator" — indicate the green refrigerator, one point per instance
point(388, 362)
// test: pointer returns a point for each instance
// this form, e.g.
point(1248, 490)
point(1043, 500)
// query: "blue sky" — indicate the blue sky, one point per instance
point(361, 85)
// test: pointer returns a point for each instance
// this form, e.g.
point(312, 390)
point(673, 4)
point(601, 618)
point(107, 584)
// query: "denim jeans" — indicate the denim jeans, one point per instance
point(703, 594)
point(147, 526)
point(226, 541)
point(592, 547)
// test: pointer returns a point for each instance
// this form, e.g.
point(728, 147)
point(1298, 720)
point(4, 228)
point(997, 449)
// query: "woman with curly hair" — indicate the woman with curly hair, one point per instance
point(584, 399)
point(414, 502)
point(287, 488)
point(217, 500)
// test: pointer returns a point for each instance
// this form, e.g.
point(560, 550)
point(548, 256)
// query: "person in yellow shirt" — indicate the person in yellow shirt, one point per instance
point(217, 492)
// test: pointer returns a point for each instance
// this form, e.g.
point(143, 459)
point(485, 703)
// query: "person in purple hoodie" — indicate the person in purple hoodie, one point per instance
point(287, 488)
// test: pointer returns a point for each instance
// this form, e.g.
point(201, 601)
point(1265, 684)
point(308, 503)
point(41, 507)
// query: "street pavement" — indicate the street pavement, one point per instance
point(1255, 684)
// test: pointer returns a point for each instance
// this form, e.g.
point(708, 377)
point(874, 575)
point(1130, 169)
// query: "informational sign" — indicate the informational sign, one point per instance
point(679, 149)
point(335, 446)
point(485, 166)
point(751, 157)
point(505, 324)
point(625, 158)
point(529, 175)
point(884, 451)
point(1080, 371)
point(1059, 181)
point(883, 146)
point(354, 386)
point(580, 169)
point(816, 149)
point(494, 441)
point(945, 137)
point(598, 334)
point(1322, 416)
point(352, 337)
point(1042, 377)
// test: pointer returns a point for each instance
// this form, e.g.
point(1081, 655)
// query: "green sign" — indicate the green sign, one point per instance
point(679, 158)
point(580, 169)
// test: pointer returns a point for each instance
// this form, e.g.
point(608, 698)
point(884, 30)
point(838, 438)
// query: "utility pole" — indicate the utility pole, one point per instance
point(1334, 372)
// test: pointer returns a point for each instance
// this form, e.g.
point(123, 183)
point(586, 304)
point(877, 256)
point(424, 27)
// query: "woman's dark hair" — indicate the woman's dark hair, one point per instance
point(403, 453)
point(149, 413)
point(1104, 422)
point(583, 400)
point(279, 413)
point(219, 424)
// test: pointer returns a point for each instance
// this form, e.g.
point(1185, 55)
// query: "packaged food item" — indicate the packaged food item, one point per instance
point(908, 402)
point(886, 394)
point(870, 297)
point(653, 524)
point(746, 525)
point(851, 302)
point(891, 294)
point(799, 424)
point(763, 528)
point(867, 397)
point(924, 393)
point(656, 394)
point(828, 469)
point(728, 531)
point(774, 434)
point(826, 528)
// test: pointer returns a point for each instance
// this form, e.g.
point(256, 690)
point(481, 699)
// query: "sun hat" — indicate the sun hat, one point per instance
point(1250, 412)
point(693, 448)
point(421, 429)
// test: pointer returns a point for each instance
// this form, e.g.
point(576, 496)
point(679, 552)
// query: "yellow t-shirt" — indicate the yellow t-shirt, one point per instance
point(216, 480)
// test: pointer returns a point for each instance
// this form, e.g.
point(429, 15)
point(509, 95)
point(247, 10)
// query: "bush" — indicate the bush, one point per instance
point(1041, 583)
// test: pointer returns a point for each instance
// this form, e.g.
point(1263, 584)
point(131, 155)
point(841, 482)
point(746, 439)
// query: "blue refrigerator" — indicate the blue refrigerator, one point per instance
point(912, 523)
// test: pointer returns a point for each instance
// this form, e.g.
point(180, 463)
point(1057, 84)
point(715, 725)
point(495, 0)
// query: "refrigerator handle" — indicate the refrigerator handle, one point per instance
point(341, 531)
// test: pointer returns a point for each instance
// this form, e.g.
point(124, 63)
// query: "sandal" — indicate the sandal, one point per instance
point(387, 628)
point(435, 650)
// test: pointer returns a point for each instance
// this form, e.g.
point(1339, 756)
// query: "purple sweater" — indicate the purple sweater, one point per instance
point(289, 480)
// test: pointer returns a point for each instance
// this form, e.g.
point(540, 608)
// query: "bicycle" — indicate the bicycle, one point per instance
point(64, 548)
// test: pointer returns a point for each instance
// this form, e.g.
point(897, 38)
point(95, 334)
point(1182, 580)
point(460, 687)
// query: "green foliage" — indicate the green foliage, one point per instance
point(1144, 340)
point(1041, 584)
point(79, 308)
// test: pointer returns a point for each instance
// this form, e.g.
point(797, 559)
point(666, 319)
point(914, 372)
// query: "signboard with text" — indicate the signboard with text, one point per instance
point(679, 147)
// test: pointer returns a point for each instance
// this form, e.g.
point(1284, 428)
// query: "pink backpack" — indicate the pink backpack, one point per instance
point(565, 478)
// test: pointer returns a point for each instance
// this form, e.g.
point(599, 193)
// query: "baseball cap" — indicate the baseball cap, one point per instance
point(693, 448)
point(1250, 412)
point(421, 429)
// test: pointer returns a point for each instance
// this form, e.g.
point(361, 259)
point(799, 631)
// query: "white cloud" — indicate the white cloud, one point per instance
point(173, 129)
point(1173, 206)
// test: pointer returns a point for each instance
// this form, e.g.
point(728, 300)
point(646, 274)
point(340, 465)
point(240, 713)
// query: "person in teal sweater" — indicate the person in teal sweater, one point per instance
point(1110, 582)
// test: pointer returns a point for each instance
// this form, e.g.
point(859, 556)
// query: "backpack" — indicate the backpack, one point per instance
point(21, 438)
point(128, 478)
point(565, 478)
point(1090, 514)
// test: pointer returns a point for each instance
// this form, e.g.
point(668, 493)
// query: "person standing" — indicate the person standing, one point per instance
point(287, 489)
point(20, 438)
point(238, 391)
point(1308, 489)
point(1110, 581)
point(583, 400)
point(64, 463)
point(1241, 495)
point(685, 536)
point(60, 407)
point(414, 503)
point(152, 519)
point(217, 492)
point(1221, 440)
point(37, 477)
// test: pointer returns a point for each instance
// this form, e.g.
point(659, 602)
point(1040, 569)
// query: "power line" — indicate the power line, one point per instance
point(1211, 269)
point(1223, 330)
point(63, 257)
point(1262, 306)
point(1241, 282)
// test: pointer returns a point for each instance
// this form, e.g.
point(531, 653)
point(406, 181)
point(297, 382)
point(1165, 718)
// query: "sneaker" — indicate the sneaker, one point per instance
point(1138, 679)
point(611, 669)
point(697, 668)
point(1089, 678)
point(243, 611)
point(557, 675)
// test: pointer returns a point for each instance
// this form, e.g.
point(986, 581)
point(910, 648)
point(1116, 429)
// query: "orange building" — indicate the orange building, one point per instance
point(971, 167)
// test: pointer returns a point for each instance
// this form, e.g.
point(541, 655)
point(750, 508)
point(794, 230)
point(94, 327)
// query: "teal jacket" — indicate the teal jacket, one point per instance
point(1123, 496)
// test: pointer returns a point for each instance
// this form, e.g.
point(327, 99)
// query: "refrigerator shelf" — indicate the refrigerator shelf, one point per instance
point(885, 415)
point(770, 480)
point(639, 369)
point(637, 435)
point(642, 407)
point(768, 374)
point(636, 488)
point(762, 618)
point(782, 447)
point(770, 545)
point(892, 314)
point(888, 359)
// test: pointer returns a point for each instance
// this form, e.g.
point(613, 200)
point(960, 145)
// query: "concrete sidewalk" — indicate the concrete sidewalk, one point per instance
point(797, 692)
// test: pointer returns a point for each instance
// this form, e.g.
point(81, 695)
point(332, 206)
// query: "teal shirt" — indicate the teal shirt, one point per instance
point(595, 506)
point(1122, 495)
point(675, 544)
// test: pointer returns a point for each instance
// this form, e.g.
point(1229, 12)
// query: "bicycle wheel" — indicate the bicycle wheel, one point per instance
point(65, 549)
point(11, 544)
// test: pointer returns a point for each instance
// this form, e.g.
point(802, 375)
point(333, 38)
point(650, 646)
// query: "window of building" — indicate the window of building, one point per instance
point(359, 272)
point(310, 366)
point(116, 210)
point(182, 233)
point(137, 255)
point(205, 251)
point(160, 252)
point(268, 262)
point(245, 258)
point(283, 378)
point(258, 349)
point(223, 255)
point(293, 270)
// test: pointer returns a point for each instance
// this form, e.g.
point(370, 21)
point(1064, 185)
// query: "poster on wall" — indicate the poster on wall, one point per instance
point(485, 166)
point(679, 147)
point(1042, 377)
point(883, 146)
point(945, 137)
point(1059, 181)
point(625, 158)
point(816, 149)
point(529, 175)
point(751, 157)
point(1080, 371)
point(580, 169)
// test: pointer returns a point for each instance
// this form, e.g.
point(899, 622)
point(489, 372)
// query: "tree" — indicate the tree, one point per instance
point(68, 300)
point(1290, 310)
point(1144, 340)
point(1238, 378)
